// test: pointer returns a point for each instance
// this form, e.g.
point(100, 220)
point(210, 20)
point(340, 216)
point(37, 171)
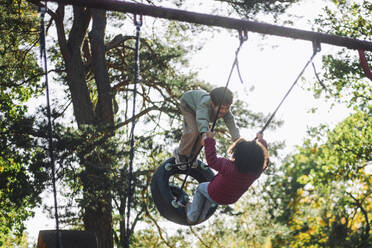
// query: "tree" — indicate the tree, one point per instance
point(250, 9)
point(22, 167)
point(326, 188)
point(323, 197)
point(345, 78)
point(24, 163)
point(14, 241)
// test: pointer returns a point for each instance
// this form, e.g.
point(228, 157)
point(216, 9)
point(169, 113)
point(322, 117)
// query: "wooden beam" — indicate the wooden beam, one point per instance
point(220, 21)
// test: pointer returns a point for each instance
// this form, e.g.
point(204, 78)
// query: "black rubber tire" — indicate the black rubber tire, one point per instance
point(163, 194)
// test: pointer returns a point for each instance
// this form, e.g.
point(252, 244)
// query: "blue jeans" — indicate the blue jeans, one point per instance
point(201, 203)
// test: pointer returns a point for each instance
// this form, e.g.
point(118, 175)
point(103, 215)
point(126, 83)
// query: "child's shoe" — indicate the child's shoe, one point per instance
point(195, 164)
point(180, 159)
point(190, 222)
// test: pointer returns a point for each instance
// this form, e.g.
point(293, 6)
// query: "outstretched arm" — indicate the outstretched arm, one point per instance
point(210, 151)
point(205, 135)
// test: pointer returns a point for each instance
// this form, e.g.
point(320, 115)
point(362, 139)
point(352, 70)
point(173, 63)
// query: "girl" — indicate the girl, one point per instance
point(234, 177)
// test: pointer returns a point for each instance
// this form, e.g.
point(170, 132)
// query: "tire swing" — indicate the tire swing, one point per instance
point(170, 199)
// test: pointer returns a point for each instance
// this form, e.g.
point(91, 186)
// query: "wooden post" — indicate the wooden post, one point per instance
point(219, 21)
point(69, 238)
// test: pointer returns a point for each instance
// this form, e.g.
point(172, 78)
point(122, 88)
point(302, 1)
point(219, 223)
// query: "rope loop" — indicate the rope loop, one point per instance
point(316, 46)
point(137, 22)
point(243, 35)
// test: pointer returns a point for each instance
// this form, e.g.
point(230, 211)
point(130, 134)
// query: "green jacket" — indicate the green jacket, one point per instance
point(199, 102)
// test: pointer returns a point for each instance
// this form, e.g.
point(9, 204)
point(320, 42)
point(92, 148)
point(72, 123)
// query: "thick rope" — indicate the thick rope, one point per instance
point(317, 77)
point(285, 96)
point(43, 58)
point(138, 24)
point(242, 37)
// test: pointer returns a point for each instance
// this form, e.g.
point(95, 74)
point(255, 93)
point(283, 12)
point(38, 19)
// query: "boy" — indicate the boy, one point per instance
point(199, 109)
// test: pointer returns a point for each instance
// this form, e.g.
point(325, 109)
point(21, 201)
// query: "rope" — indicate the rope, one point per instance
point(43, 57)
point(242, 37)
point(138, 24)
point(290, 89)
point(317, 77)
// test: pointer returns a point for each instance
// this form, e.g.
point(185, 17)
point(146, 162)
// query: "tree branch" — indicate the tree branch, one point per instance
point(365, 235)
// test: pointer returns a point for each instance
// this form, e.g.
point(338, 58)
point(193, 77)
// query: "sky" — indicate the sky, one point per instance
point(271, 71)
point(270, 66)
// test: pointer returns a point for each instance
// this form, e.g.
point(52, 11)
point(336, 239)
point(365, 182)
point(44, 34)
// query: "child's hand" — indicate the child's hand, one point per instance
point(208, 134)
point(260, 139)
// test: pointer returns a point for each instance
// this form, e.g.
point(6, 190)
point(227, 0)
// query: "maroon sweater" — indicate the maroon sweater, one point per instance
point(229, 184)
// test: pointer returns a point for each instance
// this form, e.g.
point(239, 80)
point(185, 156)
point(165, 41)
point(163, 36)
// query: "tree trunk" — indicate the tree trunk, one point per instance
point(99, 218)
point(97, 200)
point(104, 109)
point(97, 206)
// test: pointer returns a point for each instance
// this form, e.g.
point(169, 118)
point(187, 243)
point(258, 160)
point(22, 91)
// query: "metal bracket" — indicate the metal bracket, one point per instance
point(316, 46)
point(175, 203)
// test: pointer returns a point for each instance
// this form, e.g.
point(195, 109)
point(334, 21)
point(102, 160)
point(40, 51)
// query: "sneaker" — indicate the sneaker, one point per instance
point(190, 222)
point(180, 159)
point(195, 164)
point(183, 201)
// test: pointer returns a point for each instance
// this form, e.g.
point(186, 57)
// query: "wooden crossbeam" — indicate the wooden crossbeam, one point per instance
point(220, 21)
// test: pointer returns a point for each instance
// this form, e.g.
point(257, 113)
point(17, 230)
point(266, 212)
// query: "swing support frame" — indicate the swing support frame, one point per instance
point(218, 21)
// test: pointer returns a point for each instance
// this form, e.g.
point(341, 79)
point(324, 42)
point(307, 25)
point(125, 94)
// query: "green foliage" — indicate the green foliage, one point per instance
point(15, 241)
point(250, 8)
point(17, 62)
point(22, 162)
point(320, 196)
point(343, 75)
point(324, 195)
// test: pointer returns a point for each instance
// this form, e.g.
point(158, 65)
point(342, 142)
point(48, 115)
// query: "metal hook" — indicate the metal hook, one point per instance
point(316, 46)
point(139, 21)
